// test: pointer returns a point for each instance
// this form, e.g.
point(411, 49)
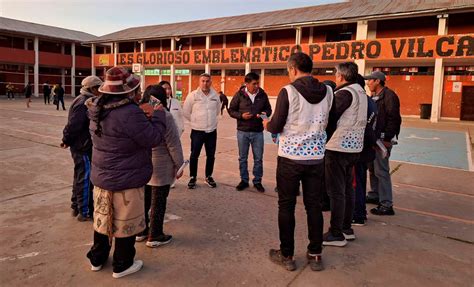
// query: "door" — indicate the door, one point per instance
point(467, 103)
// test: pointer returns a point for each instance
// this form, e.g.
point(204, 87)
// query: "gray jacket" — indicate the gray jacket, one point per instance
point(167, 157)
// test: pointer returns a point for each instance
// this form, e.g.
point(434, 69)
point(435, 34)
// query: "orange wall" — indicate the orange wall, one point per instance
point(151, 80)
point(280, 37)
point(418, 90)
point(233, 84)
point(273, 84)
point(54, 59)
point(451, 103)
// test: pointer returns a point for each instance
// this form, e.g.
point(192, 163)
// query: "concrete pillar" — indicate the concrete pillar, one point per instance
point(115, 46)
point(189, 84)
point(311, 30)
point(224, 39)
point(262, 79)
point(172, 70)
point(438, 74)
point(223, 80)
point(142, 75)
point(207, 67)
point(73, 70)
point(248, 45)
point(63, 71)
point(299, 32)
point(27, 71)
point(36, 68)
point(365, 30)
point(92, 59)
point(264, 38)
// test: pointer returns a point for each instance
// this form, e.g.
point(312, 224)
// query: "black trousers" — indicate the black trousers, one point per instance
point(60, 100)
point(124, 252)
point(46, 98)
point(360, 212)
point(224, 105)
point(339, 176)
point(289, 175)
point(82, 199)
point(198, 139)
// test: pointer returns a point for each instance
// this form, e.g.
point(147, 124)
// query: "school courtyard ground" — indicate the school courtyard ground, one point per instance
point(221, 236)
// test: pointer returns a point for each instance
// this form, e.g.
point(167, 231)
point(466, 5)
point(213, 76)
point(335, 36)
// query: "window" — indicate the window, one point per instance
point(235, 72)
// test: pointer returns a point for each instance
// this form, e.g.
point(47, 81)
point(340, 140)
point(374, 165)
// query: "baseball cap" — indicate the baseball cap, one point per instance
point(91, 81)
point(376, 75)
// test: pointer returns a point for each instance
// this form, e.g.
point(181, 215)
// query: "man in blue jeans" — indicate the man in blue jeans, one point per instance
point(247, 106)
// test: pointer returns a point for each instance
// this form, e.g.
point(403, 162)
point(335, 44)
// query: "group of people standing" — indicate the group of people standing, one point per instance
point(55, 92)
point(127, 153)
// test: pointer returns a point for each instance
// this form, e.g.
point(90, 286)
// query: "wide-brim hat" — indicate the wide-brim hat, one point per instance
point(119, 80)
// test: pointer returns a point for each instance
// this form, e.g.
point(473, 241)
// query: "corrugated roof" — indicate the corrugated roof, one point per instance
point(329, 12)
point(33, 29)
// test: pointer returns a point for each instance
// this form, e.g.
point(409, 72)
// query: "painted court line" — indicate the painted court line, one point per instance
point(469, 152)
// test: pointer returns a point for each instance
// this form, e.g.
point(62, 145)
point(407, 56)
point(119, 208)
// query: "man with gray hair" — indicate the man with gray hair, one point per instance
point(347, 122)
point(201, 108)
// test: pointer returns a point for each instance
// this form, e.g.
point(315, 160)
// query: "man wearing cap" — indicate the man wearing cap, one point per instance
point(76, 136)
point(201, 108)
point(387, 128)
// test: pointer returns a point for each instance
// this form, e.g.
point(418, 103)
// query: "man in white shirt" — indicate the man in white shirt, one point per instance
point(201, 108)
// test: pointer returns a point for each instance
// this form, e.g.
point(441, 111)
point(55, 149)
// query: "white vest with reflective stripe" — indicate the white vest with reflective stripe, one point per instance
point(349, 134)
point(304, 135)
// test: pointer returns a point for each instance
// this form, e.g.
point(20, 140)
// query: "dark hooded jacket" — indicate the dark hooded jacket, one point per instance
point(122, 154)
point(76, 132)
point(310, 88)
point(241, 103)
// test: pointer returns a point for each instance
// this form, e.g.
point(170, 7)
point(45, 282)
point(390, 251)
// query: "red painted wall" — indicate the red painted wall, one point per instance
point(280, 37)
point(461, 23)
point(418, 90)
point(451, 103)
point(421, 26)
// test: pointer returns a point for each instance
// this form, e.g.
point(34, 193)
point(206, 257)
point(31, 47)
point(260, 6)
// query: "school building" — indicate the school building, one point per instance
point(425, 47)
point(37, 54)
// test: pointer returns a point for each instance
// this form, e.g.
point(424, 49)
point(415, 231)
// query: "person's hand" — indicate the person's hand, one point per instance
point(274, 139)
point(247, 116)
point(259, 115)
point(179, 175)
point(147, 109)
point(158, 108)
point(387, 144)
point(265, 123)
point(63, 145)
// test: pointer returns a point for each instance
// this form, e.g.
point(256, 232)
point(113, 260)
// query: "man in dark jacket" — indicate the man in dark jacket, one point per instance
point(59, 91)
point(301, 116)
point(387, 129)
point(224, 102)
point(247, 106)
point(46, 92)
point(76, 136)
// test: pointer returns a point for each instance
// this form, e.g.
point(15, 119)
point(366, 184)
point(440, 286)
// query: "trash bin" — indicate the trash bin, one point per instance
point(425, 111)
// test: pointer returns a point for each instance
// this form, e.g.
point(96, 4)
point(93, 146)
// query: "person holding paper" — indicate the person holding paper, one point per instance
point(250, 106)
point(387, 129)
point(167, 158)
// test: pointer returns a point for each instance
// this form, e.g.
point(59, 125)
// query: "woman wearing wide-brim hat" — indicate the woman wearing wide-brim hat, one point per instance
point(122, 138)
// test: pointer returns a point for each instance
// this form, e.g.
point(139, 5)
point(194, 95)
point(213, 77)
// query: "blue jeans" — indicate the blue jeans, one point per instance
point(245, 140)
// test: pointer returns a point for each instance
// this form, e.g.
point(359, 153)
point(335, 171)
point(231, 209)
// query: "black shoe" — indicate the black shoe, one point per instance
point(259, 187)
point(382, 210)
point(371, 200)
point(159, 241)
point(358, 222)
point(278, 258)
point(349, 234)
point(75, 212)
point(330, 240)
point(276, 189)
point(242, 185)
point(82, 218)
point(192, 183)
point(210, 181)
point(315, 262)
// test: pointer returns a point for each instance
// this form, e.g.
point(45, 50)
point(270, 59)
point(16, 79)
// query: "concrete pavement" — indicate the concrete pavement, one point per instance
point(221, 236)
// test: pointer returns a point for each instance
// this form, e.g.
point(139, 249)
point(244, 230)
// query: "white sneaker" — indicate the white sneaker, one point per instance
point(137, 265)
point(141, 238)
point(96, 268)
